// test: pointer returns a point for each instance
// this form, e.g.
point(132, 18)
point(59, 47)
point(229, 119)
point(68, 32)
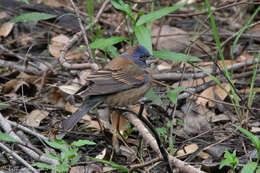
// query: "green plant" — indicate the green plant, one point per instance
point(111, 164)
point(7, 138)
point(32, 17)
point(67, 157)
point(234, 96)
point(250, 167)
point(230, 160)
point(140, 24)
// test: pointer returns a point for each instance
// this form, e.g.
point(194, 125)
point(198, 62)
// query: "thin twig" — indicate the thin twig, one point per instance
point(17, 157)
point(82, 30)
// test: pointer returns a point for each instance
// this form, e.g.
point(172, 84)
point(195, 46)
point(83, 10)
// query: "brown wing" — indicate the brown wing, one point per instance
point(108, 81)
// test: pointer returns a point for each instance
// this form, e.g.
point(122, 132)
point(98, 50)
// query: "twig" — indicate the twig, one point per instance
point(17, 157)
point(141, 165)
point(151, 141)
point(7, 128)
point(177, 76)
point(82, 30)
point(76, 37)
point(27, 130)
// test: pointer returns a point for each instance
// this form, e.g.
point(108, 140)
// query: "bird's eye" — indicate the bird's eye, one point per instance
point(143, 58)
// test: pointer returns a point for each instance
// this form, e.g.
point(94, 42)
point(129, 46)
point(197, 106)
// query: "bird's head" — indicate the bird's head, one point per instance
point(139, 54)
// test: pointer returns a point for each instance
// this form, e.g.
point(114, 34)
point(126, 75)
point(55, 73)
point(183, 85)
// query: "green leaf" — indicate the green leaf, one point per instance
point(7, 138)
point(90, 7)
point(111, 164)
point(154, 97)
point(80, 143)
point(230, 160)
point(254, 139)
point(174, 94)
point(4, 105)
point(57, 145)
point(111, 51)
point(43, 165)
point(32, 17)
point(75, 159)
point(143, 36)
point(161, 131)
point(26, 1)
point(179, 57)
point(52, 156)
point(106, 42)
point(120, 5)
point(62, 168)
point(250, 167)
point(68, 154)
point(157, 14)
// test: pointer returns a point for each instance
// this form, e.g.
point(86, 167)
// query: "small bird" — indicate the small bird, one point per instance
point(122, 82)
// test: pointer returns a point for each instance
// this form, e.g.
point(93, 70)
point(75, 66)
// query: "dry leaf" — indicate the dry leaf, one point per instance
point(69, 89)
point(164, 66)
point(192, 83)
point(57, 44)
point(102, 154)
point(6, 28)
point(176, 39)
point(35, 117)
point(122, 122)
point(52, 3)
point(220, 117)
point(255, 129)
point(204, 155)
point(9, 85)
point(214, 93)
point(3, 15)
point(189, 149)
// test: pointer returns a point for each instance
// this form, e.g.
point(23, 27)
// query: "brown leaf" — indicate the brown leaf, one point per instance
point(6, 28)
point(9, 85)
point(214, 93)
point(35, 117)
point(189, 149)
point(122, 122)
point(176, 39)
point(57, 45)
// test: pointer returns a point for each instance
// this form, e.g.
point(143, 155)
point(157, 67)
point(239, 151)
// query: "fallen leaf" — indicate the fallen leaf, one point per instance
point(69, 89)
point(255, 129)
point(214, 93)
point(204, 155)
point(220, 118)
point(122, 122)
point(192, 83)
point(35, 117)
point(189, 149)
point(175, 39)
point(57, 45)
point(6, 28)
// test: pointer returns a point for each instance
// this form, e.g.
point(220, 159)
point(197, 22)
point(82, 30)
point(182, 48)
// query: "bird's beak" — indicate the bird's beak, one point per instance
point(150, 60)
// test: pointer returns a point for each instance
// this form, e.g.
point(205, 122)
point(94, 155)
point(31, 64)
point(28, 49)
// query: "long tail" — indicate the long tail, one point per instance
point(87, 105)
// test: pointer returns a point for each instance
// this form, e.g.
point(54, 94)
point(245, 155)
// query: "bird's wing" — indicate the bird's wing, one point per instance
point(110, 81)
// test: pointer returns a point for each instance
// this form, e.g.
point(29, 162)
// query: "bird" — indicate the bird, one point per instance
point(122, 82)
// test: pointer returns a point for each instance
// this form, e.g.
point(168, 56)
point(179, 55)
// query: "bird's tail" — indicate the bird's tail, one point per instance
point(87, 105)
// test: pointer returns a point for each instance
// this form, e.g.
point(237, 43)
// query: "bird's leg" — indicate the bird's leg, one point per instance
point(141, 109)
point(157, 138)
